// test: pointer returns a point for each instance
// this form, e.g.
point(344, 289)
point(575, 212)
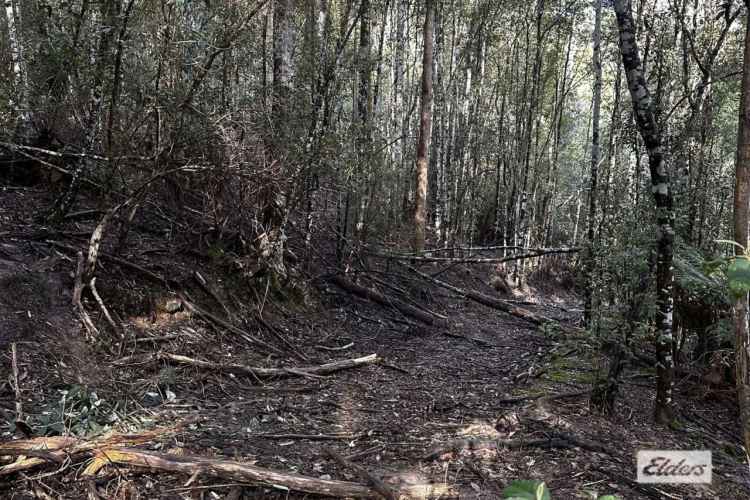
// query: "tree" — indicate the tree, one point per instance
point(741, 220)
point(425, 130)
point(19, 104)
point(595, 159)
point(645, 119)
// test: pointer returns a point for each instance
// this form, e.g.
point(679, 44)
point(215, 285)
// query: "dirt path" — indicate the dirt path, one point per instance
point(433, 411)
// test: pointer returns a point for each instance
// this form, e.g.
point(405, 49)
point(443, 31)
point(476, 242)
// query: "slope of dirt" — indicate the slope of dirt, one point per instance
point(433, 411)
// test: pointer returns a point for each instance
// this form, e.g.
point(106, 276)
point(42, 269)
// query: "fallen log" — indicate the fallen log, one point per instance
point(256, 372)
point(242, 472)
point(379, 298)
point(475, 260)
point(488, 301)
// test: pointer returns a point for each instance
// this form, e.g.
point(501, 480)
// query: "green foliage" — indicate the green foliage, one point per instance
point(738, 275)
point(536, 490)
point(702, 278)
point(79, 411)
point(527, 490)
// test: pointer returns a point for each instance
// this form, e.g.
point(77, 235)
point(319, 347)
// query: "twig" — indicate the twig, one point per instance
point(342, 348)
point(16, 384)
point(104, 310)
point(210, 290)
point(212, 318)
point(309, 437)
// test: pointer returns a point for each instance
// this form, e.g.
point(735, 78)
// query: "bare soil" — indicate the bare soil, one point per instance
point(426, 412)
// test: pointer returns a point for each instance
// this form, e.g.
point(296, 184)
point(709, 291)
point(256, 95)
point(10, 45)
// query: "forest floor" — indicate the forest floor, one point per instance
point(462, 407)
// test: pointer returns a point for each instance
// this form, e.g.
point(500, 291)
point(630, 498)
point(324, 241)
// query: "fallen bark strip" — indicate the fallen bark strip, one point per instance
point(256, 372)
point(475, 260)
point(384, 301)
point(58, 448)
point(488, 301)
point(553, 440)
point(238, 471)
point(374, 481)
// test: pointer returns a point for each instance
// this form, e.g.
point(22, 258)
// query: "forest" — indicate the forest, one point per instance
point(374, 249)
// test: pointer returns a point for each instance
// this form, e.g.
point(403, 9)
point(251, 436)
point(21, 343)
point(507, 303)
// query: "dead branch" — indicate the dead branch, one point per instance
point(16, 384)
point(211, 291)
point(374, 481)
point(57, 448)
point(475, 260)
point(488, 301)
point(104, 310)
point(238, 369)
point(238, 471)
point(276, 333)
point(309, 437)
point(212, 318)
point(379, 298)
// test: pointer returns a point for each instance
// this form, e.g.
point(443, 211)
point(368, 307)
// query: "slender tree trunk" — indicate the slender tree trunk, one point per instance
point(19, 103)
point(741, 219)
point(425, 131)
point(645, 120)
point(595, 156)
point(92, 117)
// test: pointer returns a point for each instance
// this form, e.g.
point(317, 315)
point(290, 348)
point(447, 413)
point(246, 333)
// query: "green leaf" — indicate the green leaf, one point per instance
point(526, 490)
point(607, 497)
point(730, 242)
point(738, 274)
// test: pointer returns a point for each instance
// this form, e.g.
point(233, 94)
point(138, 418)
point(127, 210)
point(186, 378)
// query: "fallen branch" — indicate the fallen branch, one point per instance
point(309, 437)
point(379, 298)
point(374, 481)
point(242, 472)
point(16, 384)
point(38, 451)
point(488, 301)
point(257, 372)
point(212, 318)
point(475, 260)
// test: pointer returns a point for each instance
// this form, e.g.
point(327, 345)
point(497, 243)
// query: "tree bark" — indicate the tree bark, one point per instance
point(595, 157)
point(741, 217)
point(646, 122)
point(19, 103)
point(425, 131)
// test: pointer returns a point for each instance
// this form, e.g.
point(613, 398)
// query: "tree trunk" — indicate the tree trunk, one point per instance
point(595, 155)
point(425, 130)
point(19, 103)
point(741, 216)
point(661, 188)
